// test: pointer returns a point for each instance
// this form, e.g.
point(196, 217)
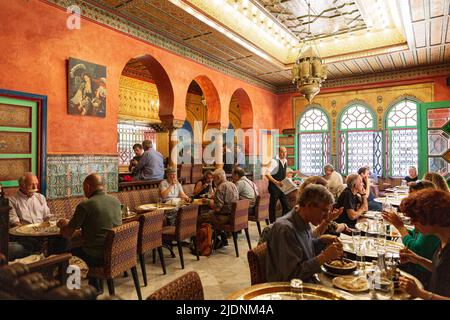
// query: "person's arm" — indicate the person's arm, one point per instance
point(269, 176)
point(397, 222)
point(165, 188)
point(406, 256)
point(218, 202)
point(199, 187)
point(68, 228)
point(182, 194)
point(423, 245)
point(367, 191)
point(141, 164)
point(410, 286)
point(47, 213)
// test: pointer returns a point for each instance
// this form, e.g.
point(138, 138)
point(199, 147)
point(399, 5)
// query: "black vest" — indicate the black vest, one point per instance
point(281, 171)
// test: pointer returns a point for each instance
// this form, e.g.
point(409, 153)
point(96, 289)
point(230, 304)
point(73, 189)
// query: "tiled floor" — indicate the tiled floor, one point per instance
point(221, 273)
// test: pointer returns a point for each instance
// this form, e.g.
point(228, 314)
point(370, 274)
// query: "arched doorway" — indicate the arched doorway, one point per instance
point(145, 94)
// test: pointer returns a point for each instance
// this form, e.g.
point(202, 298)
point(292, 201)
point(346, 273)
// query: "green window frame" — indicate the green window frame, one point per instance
point(401, 123)
point(34, 129)
point(313, 140)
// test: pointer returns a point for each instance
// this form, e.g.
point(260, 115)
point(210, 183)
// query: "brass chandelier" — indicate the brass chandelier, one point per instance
point(308, 72)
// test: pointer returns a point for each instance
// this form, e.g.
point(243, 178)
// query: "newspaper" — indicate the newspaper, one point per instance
point(288, 186)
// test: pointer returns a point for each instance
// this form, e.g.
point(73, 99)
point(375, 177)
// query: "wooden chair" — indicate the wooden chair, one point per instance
point(150, 238)
point(120, 256)
point(238, 222)
point(185, 227)
point(186, 287)
point(261, 210)
point(257, 264)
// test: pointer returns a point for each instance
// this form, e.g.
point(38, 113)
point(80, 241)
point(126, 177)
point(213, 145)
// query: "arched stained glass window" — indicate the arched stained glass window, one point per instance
point(401, 127)
point(313, 141)
point(360, 143)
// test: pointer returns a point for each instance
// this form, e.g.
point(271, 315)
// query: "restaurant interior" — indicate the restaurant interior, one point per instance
point(225, 149)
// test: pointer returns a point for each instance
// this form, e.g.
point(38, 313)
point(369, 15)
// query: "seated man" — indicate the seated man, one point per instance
point(292, 251)
point(354, 201)
point(371, 203)
point(221, 206)
point(94, 216)
point(335, 181)
point(246, 188)
point(29, 207)
point(138, 151)
point(151, 165)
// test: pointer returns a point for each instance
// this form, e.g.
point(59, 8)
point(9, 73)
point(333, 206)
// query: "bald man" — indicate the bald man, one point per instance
point(275, 174)
point(95, 216)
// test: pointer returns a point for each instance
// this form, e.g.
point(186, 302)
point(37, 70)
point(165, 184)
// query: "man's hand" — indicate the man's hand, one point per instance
point(333, 252)
point(393, 219)
point(328, 239)
point(335, 213)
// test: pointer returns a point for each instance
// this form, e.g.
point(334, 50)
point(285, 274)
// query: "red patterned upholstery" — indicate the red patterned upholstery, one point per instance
point(185, 224)
point(263, 185)
point(185, 172)
point(120, 251)
point(239, 217)
point(261, 208)
point(189, 189)
point(186, 287)
point(257, 264)
point(150, 231)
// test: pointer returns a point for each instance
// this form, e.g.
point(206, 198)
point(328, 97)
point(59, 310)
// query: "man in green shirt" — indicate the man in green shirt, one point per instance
point(94, 216)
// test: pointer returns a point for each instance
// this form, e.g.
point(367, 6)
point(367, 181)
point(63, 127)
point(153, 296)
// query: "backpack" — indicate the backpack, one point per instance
point(204, 240)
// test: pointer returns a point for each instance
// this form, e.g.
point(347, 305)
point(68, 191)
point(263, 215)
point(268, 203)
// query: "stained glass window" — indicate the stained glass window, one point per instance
point(401, 125)
point(313, 142)
point(360, 144)
point(130, 133)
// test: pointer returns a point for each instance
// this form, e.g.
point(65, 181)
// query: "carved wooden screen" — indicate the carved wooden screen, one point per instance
point(18, 139)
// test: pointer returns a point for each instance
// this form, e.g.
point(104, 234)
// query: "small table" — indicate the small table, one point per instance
point(32, 231)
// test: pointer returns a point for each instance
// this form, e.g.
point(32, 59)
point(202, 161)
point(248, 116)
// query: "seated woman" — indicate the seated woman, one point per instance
point(205, 186)
point(438, 180)
point(429, 213)
point(335, 182)
point(412, 175)
point(423, 245)
point(171, 188)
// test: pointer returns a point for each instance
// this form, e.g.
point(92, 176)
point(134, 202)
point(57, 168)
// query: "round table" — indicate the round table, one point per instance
point(282, 291)
point(32, 230)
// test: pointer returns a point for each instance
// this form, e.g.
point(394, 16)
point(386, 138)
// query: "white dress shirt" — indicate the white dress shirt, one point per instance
point(26, 209)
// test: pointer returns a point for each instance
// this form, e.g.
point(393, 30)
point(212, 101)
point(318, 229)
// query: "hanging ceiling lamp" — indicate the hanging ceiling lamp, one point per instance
point(308, 73)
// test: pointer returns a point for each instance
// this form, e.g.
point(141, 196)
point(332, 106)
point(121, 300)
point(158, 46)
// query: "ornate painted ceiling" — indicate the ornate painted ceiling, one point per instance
point(260, 39)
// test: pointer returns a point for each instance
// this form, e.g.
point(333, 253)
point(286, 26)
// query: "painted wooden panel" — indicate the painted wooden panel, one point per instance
point(422, 55)
point(409, 58)
point(437, 8)
point(447, 31)
point(417, 10)
point(447, 53)
point(436, 54)
point(436, 31)
point(386, 62)
point(12, 169)
point(15, 142)
point(420, 34)
point(15, 116)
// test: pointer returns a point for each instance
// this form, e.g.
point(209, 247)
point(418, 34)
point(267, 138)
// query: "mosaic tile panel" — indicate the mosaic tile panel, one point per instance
point(65, 173)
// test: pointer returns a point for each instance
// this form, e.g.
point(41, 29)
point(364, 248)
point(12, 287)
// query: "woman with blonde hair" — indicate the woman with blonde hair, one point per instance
point(438, 180)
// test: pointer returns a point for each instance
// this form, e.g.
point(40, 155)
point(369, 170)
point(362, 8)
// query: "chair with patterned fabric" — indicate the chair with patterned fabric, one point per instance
point(150, 238)
point(238, 222)
point(185, 227)
point(187, 287)
point(185, 172)
point(257, 264)
point(197, 172)
point(261, 210)
point(120, 256)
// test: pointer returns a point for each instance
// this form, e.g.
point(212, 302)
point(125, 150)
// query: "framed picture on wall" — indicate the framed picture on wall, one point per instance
point(86, 88)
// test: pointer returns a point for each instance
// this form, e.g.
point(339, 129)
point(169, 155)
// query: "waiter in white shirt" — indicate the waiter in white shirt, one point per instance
point(276, 173)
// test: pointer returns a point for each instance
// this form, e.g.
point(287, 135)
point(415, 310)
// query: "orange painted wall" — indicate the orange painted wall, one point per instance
point(284, 107)
point(35, 44)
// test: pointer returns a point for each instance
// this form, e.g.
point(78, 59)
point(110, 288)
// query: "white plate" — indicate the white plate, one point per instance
point(44, 228)
point(342, 282)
